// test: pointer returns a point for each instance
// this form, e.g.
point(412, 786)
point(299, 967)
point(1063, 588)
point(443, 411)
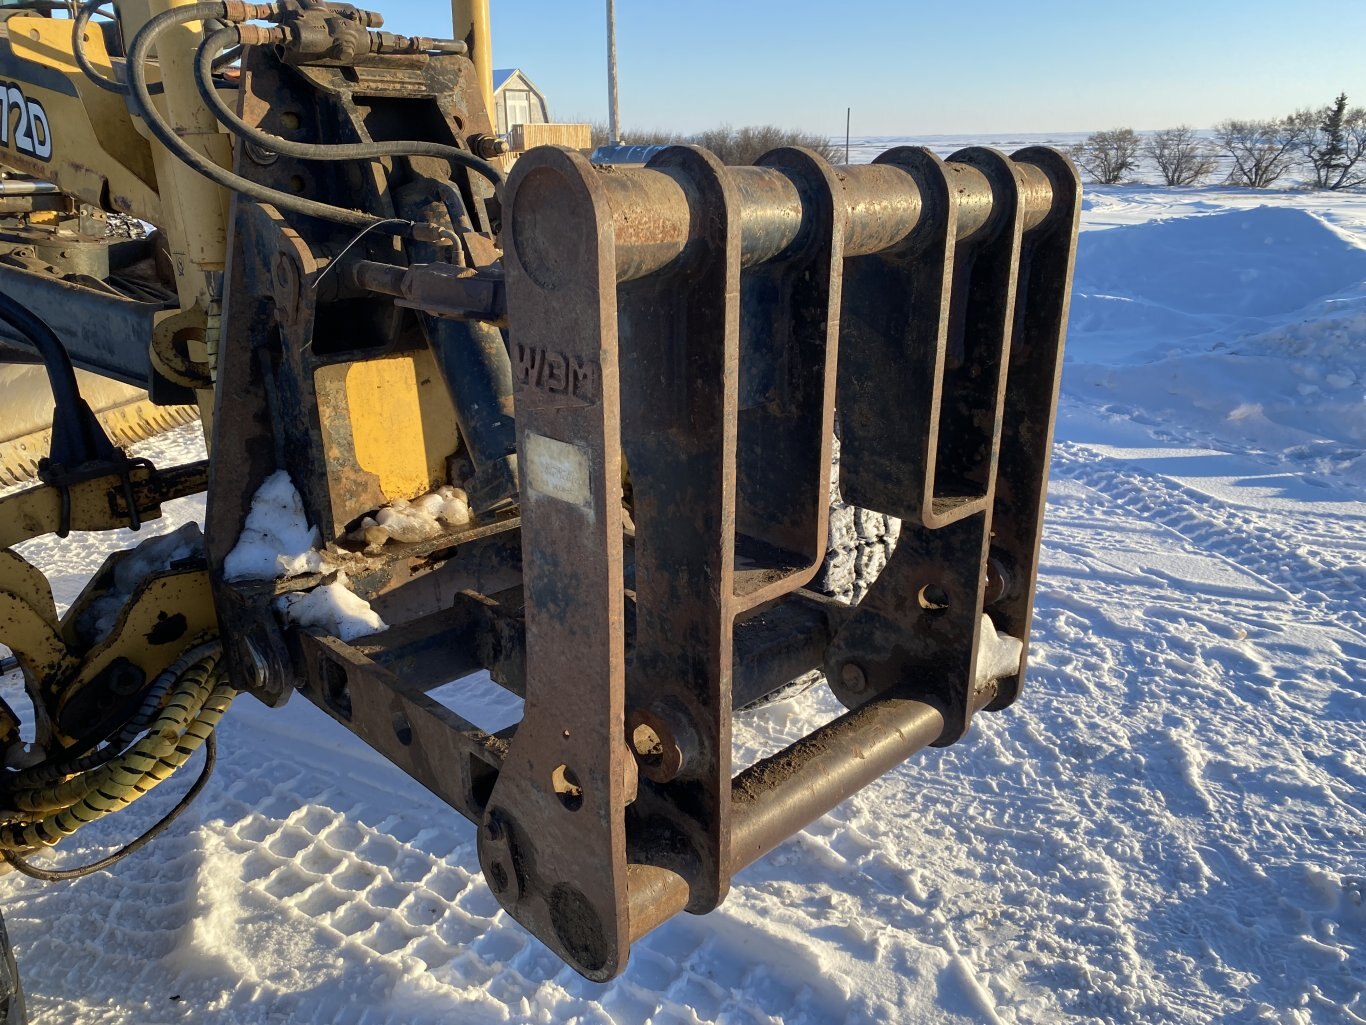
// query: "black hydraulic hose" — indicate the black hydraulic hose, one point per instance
point(61, 374)
point(78, 26)
point(83, 757)
point(58, 875)
point(204, 64)
point(77, 436)
point(141, 101)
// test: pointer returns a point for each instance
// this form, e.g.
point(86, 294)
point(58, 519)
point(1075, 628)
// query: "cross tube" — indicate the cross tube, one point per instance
point(780, 795)
point(652, 210)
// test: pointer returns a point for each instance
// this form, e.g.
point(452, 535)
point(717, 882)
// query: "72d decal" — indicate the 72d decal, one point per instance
point(24, 123)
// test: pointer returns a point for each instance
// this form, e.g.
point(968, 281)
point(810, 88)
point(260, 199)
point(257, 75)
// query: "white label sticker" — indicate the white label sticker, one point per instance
point(556, 469)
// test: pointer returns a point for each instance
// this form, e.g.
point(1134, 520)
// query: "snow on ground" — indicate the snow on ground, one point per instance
point(1169, 827)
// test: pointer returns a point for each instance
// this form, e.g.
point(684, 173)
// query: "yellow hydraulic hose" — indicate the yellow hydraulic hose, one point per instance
point(160, 742)
point(190, 716)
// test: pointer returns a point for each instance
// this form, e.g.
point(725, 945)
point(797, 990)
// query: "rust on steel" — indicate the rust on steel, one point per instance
point(654, 226)
point(747, 305)
point(784, 793)
point(553, 840)
point(685, 341)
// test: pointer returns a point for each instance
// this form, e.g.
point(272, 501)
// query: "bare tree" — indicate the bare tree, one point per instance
point(733, 145)
point(1181, 156)
point(1263, 152)
point(746, 145)
point(1108, 156)
point(1335, 145)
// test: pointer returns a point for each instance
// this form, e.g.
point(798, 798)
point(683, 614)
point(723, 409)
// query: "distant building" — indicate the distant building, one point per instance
point(516, 100)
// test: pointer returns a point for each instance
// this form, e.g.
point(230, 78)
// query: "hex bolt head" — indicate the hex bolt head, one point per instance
point(260, 155)
point(489, 146)
point(125, 678)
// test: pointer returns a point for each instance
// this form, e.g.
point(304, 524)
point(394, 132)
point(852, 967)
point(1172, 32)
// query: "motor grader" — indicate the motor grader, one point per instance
point(572, 425)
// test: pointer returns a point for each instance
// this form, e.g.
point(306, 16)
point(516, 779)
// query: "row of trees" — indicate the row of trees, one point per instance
point(1327, 144)
point(733, 145)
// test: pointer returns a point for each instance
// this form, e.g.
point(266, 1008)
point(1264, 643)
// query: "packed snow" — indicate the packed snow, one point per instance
point(421, 519)
point(333, 609)
point(277, 539)
point(153, 555)
point(998, 654)
point(1169, 826)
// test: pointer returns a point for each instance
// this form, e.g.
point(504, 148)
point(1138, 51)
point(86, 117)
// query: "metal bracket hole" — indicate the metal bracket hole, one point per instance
point(648, 747)
point(933, 599)
point(567, 787)
point(336, 690)
point(498, 877)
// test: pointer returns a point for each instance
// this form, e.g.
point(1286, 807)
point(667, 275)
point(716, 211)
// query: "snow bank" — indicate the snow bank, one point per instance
point(1248, 325)
point(276, 540)
point(1264, 261)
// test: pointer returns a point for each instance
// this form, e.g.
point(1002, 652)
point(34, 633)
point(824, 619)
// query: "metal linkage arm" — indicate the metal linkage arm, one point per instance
point(707, 322)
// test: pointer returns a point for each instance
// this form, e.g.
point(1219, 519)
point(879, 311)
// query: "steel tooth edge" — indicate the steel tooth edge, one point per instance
point(127, 424)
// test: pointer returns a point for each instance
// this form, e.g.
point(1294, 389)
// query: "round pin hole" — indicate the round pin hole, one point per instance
point(567, 787)
point(933, 598)
point(648, 746)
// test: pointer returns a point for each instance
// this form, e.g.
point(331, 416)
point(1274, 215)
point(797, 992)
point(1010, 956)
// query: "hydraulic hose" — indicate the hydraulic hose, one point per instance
point(160, 743)
point(230, 36)
point(77, 436)
point(45, 814)
point(141, 101)
point(78, 26)
point(52, 770)
point(57, 875)
point(61, 374)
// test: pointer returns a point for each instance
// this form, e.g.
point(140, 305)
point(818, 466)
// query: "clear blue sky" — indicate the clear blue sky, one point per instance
point(924, 68)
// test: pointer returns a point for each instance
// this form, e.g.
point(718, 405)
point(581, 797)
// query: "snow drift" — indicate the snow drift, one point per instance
point(1248, 325)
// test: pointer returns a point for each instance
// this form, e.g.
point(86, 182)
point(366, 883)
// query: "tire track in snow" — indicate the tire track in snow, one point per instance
point(1223, 762)
point(1313, 576)
point(396, 896)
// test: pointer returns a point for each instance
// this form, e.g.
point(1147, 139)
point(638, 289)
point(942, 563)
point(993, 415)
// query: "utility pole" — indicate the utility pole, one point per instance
point(613, 114)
